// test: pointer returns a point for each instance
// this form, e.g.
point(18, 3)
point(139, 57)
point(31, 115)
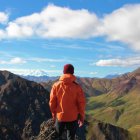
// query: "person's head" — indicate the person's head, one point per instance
point(68, 69)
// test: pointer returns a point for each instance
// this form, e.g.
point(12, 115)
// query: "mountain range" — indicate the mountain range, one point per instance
point(114, 101)
point(39, 79)
point(97, 86)
point(34, 75)
point(110, 76)
point(113, 107)
point(117, 102)
point(42, 75)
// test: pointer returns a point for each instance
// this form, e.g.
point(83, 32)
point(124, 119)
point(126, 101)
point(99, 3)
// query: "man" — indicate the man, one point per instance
point(67, 103)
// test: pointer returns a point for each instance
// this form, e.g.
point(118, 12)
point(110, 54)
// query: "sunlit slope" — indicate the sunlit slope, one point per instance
point(135, 132)
point(123, 111)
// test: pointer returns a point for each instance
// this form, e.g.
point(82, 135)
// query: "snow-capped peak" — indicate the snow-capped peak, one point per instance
point(35, 73)
point(29, 72)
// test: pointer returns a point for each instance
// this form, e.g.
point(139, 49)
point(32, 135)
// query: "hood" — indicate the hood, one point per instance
point(68, 78)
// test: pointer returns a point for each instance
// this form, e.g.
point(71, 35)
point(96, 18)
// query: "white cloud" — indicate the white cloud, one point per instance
point(55, 22)
point(123, 25)
point(16, 31)
point(93, 73)
point(134, 61)
point(61, 22)
point(52, 66)
point(38, 59)
point(15, 60)
point(2, 62)
point(64, 22)
point(65, 46)
point(18, 60)
point(3, 18)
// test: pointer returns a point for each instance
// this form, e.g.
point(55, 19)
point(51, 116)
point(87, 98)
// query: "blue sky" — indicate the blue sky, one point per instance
point(99, 37)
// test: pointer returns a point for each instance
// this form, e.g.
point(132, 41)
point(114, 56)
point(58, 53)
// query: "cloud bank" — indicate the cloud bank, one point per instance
point(134, 61)
point(19, 60)
point(123, 25)
point(15, 60)
point(61, 22)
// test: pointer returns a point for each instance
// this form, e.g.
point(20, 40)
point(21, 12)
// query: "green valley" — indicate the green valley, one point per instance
point(122, 111)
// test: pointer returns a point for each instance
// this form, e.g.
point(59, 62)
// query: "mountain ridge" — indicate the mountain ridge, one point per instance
point(96, 86)
point(23, 106)
point(26, 102)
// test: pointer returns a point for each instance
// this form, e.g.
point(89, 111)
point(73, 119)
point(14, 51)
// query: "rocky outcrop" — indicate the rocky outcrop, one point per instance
point(98, 131)
point(105, 131)
point(23, 107)
point(48, 132)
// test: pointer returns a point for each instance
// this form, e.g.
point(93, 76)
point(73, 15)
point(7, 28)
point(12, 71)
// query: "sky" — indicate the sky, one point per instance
point(99, 37)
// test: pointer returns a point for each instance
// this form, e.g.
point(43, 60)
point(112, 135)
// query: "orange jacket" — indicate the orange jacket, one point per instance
point(67, 99)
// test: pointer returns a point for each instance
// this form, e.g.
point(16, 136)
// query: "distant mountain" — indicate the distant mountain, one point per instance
point(124, 84)
point(110, 76)
point(39, 79)
point(96, 86)
point(36, 73)
point(23, 107)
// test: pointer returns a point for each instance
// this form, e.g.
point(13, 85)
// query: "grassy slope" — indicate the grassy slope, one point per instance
point(121, 111)
point(135, 132)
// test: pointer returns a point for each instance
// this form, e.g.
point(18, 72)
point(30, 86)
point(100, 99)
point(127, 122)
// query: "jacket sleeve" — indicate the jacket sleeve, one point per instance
point(81, 104)
point(53, 102)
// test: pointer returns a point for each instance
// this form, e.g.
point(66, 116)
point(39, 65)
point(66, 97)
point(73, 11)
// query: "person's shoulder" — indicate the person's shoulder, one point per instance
point(57, 83)
point(77, 85)
point(74, 82)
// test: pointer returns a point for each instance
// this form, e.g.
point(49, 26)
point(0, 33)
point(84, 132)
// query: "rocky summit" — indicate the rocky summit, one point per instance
point(23, 107)
point(99, 131)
